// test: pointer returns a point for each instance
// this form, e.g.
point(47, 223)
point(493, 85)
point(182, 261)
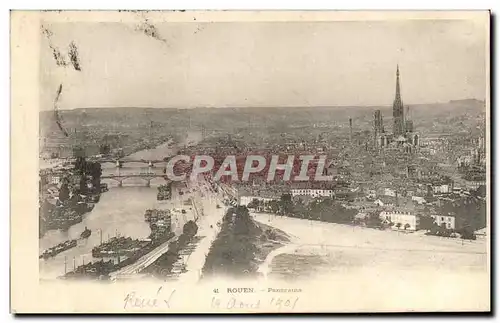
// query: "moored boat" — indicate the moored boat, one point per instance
point(63, 246)
point(86, 233)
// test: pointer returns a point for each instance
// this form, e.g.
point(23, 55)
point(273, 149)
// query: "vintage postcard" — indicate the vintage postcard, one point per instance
point(250, 162)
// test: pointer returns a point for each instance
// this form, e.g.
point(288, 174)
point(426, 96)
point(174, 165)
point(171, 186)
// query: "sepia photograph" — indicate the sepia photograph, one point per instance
point(250, 162)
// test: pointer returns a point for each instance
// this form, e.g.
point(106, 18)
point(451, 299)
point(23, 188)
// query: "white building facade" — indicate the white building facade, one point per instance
point(474, 185)
point(408, 220)
point(55, 179)
point(418, 199)
point(447, 220)
point(313, 192)
point(442, 189)
point(245, 200)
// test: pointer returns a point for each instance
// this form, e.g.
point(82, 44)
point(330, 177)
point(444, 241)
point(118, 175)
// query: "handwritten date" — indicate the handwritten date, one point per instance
point(235, 303)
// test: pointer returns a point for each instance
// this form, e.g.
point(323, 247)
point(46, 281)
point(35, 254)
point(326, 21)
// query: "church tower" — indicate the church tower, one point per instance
point(398, 110)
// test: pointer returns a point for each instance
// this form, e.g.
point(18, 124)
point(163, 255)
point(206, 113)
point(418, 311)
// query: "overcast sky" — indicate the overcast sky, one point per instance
point(265, 64)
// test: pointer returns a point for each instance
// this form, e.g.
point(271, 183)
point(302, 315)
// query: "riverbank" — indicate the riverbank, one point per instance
point(270, 240)
point(320, 248)
point(67, 194)
point(178, 248)
point(65, 215)
point(102, 269)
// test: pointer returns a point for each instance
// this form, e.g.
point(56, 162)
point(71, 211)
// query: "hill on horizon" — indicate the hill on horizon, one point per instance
point(460, 102)
point(430, 117)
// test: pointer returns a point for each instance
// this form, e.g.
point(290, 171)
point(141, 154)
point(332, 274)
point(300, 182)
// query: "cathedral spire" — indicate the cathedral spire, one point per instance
point(398, 91)
point(398, 109)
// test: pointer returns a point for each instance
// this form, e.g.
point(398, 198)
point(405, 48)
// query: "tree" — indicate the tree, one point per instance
point(104, 149)
point(233, 252)
point(75, 198)
point(407, 226)
point(481, 191)
point(46, 209)
point(426, 222)
point(64, 193)
point(468, 211)
point(95, 171)
point(429, 193)
point(299, 210)
point(398, 225)
point(253, 204)
point(83, 185)
point(441, 230)
point(286, 203)
point(78, 152)
point(328, 210)
point(467, 233)
point(434, 230)
point(80, 164)
point(243, 224)
point(274, 206)
point(373, 220)
point(190, 228)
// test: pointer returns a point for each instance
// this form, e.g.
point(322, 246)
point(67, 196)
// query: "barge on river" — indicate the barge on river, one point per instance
point(119, 246)
point(86, 233)
point(63, 246)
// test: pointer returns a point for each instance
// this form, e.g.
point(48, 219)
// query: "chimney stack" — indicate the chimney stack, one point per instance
point(350, 130)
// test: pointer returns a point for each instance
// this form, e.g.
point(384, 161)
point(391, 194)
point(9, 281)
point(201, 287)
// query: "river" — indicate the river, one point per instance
point(119, 211)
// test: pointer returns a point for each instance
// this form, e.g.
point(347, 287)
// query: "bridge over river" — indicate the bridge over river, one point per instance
point(146, 177)
point(123, 171)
